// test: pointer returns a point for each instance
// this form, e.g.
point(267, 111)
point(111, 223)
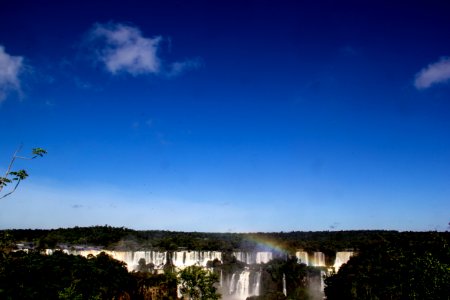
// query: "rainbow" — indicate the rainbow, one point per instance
point(264, 243)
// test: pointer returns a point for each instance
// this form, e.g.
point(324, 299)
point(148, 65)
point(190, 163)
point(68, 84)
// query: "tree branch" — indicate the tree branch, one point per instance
point(21, 174)
point(11, 163)
point(15, 187)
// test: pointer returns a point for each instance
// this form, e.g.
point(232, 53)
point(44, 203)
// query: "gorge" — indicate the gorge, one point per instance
point(237, 284)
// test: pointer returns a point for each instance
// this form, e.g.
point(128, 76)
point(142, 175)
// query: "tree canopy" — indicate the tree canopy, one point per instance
point(397, 269)
point(197, 283)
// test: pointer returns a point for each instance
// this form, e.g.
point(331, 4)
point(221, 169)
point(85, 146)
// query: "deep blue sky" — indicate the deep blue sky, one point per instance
point(227, 115)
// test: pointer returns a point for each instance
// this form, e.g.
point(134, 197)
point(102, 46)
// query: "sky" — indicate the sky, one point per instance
point(227, 116)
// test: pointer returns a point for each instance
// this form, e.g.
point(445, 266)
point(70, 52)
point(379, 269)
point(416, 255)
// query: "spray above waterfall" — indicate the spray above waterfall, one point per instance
point(262, 243)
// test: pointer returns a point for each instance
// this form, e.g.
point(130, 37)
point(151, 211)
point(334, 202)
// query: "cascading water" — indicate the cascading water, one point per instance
point(315, 259)
point(242, 284)
point(250, 258)
point(257, 289)
point(342, 258)
point(242, 287)
point(183, 259)
point(131, 258)
point(318, 259)
point(180, 259)
point(302, 257)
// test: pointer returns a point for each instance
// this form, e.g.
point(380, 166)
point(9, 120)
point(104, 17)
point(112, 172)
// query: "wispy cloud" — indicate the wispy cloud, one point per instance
point(178, 68)
point(10, 69)
point(123, 48)
point(438, 72)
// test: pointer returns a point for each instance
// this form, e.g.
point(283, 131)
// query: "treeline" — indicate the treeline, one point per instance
point(120, 238)
point(102, 236)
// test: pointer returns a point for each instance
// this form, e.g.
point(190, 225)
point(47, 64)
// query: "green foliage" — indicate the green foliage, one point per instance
point(294, 274)
point(38, 152)
point(403, 268)
point(7, 242)
point(62, 276)
point(198, 284)
point(161, 286)
point(4, 181)
point(70, 293)
point(20, 175)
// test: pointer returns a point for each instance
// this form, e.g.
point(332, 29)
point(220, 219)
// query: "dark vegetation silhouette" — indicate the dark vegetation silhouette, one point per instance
point(401, 268)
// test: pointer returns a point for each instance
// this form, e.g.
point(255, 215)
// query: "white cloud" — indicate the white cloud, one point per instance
point(434, 73)
point(124, 49)
point(10, 69)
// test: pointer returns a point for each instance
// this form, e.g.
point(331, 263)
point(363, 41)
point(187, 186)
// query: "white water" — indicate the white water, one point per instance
point(302, 257)
point(318, 259)
point(241, 285)
point(183, 259)
point(315, 259)
point(180, 259)
point(131, 258)
point(342, 258)
point(251, 258)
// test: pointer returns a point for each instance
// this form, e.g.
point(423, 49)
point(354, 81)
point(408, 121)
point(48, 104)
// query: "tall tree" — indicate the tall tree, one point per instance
point(198, 284)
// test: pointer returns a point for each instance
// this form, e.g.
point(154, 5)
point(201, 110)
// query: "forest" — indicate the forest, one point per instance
point(388, 265)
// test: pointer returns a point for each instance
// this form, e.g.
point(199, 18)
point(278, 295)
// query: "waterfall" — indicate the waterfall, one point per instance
point(322, 280)
point(250, 258)
point(342, 258)
point(243, 284)
point(315, 259)
point(318, 259)
point(302, 257)
point(263, 257)
point(182, 259)
point(257, 287)
point(232, 284)
point(284, 285)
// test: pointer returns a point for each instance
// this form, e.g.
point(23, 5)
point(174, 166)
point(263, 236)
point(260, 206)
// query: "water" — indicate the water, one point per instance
point(236, 286)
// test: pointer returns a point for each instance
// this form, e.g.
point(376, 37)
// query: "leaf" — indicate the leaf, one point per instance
point(39, 152)
point(19, 175)
point(4, 181)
